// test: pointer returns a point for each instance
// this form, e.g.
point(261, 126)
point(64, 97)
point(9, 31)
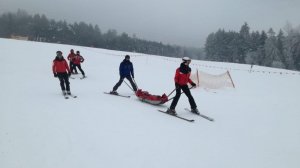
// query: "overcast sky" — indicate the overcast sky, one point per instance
point(181, 22)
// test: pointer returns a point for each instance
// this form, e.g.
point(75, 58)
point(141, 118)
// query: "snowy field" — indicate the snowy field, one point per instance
point(257, 124)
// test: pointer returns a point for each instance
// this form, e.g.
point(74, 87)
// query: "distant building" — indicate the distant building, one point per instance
point(19, 37)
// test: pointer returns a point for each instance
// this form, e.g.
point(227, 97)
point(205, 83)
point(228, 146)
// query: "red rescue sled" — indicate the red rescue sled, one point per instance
point(151, 99)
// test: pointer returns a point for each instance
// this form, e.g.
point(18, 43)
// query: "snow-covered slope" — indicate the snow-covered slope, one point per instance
point(256, 124)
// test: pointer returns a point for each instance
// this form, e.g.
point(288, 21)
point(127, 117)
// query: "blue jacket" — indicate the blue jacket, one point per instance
point(126, 68)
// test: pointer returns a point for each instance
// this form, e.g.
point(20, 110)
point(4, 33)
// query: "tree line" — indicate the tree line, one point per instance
point(39, 28)
point(281, 50)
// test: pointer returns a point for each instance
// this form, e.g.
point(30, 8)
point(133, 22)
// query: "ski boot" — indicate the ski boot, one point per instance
point(171, 111)
point(64, 92)
point(195, 111)
point(114, 92)
point(68, 92)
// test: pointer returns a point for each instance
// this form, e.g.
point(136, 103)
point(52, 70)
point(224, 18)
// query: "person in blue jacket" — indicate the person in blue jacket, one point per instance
point(126, 71)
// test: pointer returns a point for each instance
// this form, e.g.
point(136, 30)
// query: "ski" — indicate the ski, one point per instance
point(117, 95)
point(177, 116)
point(77, 78)
point(201, 115)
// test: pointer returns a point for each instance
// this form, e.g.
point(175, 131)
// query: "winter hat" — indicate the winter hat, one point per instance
point(186, 59)
point(58, 53)
point(127, 57)
point(71, 50)
point(77, 52)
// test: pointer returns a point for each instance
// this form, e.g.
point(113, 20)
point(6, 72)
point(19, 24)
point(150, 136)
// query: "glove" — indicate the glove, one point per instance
point(193, 84)
point(55, 75)
point(69, 74)
point(132, 76)
point(177, 85)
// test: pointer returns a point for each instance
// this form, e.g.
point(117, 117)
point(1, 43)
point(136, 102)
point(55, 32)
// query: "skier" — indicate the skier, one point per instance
point(76, 62)
point(126, 71)
point(61, 70)
point(70, 57)
point(182, 78)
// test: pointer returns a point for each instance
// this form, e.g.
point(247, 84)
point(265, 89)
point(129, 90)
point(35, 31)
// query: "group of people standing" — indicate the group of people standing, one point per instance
point(75, 60)
point(182, 77)
point(63, 71)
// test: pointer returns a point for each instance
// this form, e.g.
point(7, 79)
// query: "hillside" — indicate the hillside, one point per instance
point(256, 124)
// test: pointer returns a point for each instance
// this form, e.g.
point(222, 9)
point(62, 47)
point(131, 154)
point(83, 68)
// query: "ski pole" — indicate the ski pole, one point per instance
point(128, 85)
point(135, 83)
point(175, 95)
point(171, 92)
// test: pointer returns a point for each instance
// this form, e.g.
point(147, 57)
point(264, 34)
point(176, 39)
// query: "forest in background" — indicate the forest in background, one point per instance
point(280, 50)
point(39, 28)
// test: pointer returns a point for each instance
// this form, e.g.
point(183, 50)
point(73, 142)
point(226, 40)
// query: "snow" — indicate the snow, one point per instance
point(256, 124)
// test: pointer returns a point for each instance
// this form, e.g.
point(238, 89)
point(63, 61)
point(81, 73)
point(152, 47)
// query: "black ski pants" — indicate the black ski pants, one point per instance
point(72, 66)
point(64, 81)
point(79, 67)
point(122, 79)
point(187, 92)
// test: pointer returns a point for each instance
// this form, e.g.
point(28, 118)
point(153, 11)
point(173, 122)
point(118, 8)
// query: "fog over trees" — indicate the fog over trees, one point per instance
point(267, 48)
point(280, 50)
point(40, 28)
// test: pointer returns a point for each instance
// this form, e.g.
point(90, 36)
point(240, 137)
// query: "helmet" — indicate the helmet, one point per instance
point(185, 59)
point(71, 50)
point(77, 52)
point(58, 52)
point(127, 57)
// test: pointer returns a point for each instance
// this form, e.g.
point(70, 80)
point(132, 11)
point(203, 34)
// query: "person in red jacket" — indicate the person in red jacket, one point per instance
point(76, 62)
point(70, 57)
point(182, 78)
point(61, 70)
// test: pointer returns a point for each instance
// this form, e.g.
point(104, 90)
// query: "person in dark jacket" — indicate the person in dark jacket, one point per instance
point(126, 71)
point(61, 70)
point(182, 78)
